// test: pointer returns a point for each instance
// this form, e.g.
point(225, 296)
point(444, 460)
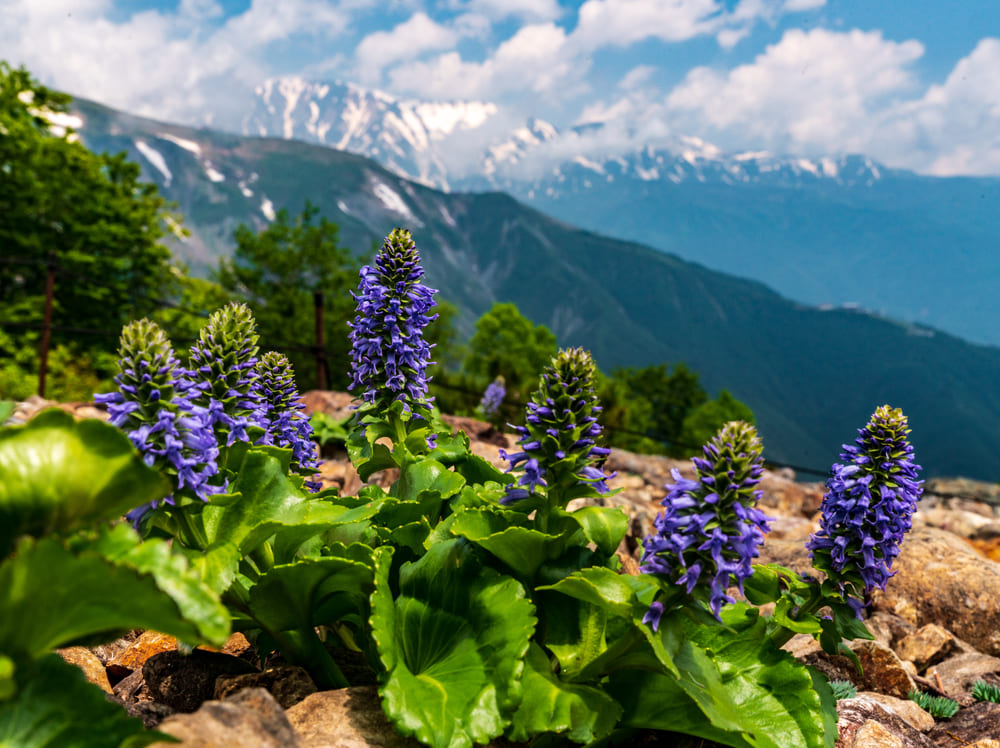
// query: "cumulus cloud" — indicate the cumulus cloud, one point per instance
point(407, 41)
point(812, 91)
point(498, 10)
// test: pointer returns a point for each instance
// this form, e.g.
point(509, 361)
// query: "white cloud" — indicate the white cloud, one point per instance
point(406, 41)
point(498, 10)
point(636, 77)
point(812, 91)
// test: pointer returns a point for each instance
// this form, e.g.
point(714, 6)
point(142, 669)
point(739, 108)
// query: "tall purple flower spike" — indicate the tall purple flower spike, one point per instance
point(389, 356)
point(154, 405)
point(492, 398)
point(868, 507)
point(710, 530)
point(559, 439)
point(280, 414)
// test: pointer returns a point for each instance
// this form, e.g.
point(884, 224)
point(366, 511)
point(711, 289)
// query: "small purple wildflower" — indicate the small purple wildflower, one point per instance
point(559, 438)
point(492, 398)
point(154, 405)
point(223, 361)
point(711, 529)
point(389, 355)
point(868, 507)
point(280, 414)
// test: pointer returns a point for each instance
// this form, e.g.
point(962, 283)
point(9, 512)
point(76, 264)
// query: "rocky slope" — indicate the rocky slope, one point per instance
point(937, 626)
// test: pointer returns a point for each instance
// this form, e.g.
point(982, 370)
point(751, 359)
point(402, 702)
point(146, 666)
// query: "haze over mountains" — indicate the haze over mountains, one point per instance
point(835, 231)
point(811, 376)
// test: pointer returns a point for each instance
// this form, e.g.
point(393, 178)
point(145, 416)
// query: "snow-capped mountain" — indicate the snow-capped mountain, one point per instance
point(406, 137)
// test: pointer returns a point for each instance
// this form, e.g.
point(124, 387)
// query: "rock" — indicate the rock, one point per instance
point(150, 712)
point(957, 674)
point(135, 654)
point(927, 646)
point(248, 719)
point(905, 709)
point(854, 713)
point(942, 580)
point(963, 488)
point(345, 718)
point(881, 670)
point(89, 663)
point(786, 498)
point(287, 684)
point(131, 688)
point(874, 734)
point(790, 553)
point(979, 721)
point(337, 405)
point(888, 628)
point(238, 646)
point(184, 682)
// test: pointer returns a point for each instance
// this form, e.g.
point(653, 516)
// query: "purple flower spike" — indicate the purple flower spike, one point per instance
point(389, 356)
point(558, 442)
point(868, 507)
point(280, 414)
point(224, 360)
point(492, 398)
point(154, 406)
point(711, 529)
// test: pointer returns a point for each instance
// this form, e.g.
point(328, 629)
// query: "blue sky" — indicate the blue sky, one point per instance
point(912, 83)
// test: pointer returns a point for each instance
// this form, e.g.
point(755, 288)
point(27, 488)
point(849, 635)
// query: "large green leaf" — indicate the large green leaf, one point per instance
point(58, 475)
point(603, 526)
point(453, 646)
point(56, 707)
point(50, 597)
point(428, 475)
point(582, 713)
point(314, 591)
point(523, 549)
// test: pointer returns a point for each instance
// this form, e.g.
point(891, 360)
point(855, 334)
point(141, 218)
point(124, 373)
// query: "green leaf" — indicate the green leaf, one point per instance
point(367, 455)
point(453, 647)
point(7, 408)
point(314, 591)
point(521, 548)
point(601, 587)
point(50, 598)
point(57, 475)
point(56, 707)
point(603, 526)
point(573, 631)
point(428, 475)
point(582, 713)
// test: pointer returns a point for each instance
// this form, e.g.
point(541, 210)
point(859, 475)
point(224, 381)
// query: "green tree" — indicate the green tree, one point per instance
point(277, 271)
point(510, 345)
point(701, 423)
point(88, 212)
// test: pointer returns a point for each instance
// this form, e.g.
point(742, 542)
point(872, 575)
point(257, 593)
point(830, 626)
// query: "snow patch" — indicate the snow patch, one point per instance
point(391, 200)
point(154, 157)
point(808, 166)
point(448, 218)
point(187, 145)
point(342, 206)
point(442, 119)
point(267, 208)
point(586, 163)
point(212, 174)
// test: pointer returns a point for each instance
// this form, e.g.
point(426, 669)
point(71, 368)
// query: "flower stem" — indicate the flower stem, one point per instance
point(781, 636)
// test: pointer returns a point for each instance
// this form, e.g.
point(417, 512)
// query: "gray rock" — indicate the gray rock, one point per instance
point(957, 674)
point(853, 714)
point(974, 723)
point(345, 718)
point(927, 646)
point(248, 719)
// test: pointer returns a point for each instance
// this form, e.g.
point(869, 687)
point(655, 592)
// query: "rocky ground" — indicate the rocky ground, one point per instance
point(937, 627)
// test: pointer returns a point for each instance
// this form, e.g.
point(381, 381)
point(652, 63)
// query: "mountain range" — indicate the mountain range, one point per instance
point(829, 231)
point(812, 376)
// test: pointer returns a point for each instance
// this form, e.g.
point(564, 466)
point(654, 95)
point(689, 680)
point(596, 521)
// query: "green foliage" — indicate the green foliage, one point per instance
point(702, 422)
point(508, 344)
point(277, 272)
point(985, 691)
point(329, 432)
point(90, 213)
point(843, 689)
point(939, 707)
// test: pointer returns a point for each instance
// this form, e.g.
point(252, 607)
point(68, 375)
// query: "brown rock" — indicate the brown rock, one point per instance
point(987, 743)
point(287, 684)
point(135, 654)
point(335, 404)
point(874, 734)
point(238, 646)
point(888, 628)
point(855, 713)
point(942, 580)
point(927, 646)
point(184, 682)
point(248, 719)
point(881, 670)
point(89, 663)
point(959, 673)
point(976, 722)
point(346, 718)
point(905, 709)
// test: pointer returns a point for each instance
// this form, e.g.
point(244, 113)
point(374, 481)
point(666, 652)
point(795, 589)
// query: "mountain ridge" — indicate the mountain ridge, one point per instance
point(811, 376)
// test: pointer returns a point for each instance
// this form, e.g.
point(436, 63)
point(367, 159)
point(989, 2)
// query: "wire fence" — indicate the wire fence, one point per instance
point(326, 359)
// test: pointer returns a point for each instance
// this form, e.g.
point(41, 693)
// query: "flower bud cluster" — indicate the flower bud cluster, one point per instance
point(224, 360)
point(389, 356)
point(559, 439)
point(155, 405)
point(280, 413)
point(868, 507)
point(711, 529)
